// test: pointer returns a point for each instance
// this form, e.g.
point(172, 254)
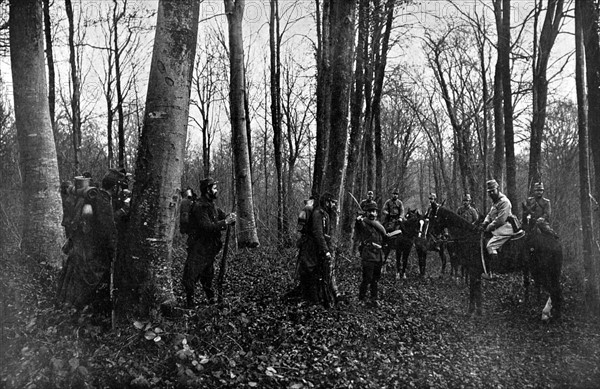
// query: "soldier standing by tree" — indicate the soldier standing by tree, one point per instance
point(92, 241)
point(316, 253)
point(204, 242)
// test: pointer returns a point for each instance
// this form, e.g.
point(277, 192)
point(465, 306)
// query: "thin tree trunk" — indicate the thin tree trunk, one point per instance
point(42, 231)
point(75, 98)
point(323, 94)
point(246, 227)
point(509, 133)
point(50, 60)
point(498, 164)
point(118, 87)
point(550, 29)
point(144, 266)
point(380, 64)
point(274, 44)
point(355, 118)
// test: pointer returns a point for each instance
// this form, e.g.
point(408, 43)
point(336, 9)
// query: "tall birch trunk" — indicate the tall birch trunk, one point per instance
point(246, 225)
point(42, 232)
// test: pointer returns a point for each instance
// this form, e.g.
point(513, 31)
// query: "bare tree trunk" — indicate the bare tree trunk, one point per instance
point(143, 269)
point(246, 227)
point(591, 31)
point(550, 29)
point(385, 30)
point(509, 133)
point(355, 118)
point(498, 164)
point(342, 34)
point(75, 98)
point(50, 60)
point(323, 93)
point(586, 22)
point(275, 44)
point(42, 231)
point(118, 88)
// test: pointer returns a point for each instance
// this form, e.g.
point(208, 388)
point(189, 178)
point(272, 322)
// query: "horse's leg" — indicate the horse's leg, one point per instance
point(443, 257)
point(554, 280)
point(405, 255)
point(422, 255)
point(399, 254)
point(475, 298)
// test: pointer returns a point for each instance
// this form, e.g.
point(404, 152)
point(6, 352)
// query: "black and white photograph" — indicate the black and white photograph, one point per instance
point(299, 194)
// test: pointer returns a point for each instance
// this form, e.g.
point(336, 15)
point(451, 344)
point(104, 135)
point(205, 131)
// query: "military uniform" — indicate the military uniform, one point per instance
point(497, 222)
point(371, 235)
point(204, 243)
point(314, 246)
point(392, 210)
point(539, 209)
point(91, 246)
point(468, 213)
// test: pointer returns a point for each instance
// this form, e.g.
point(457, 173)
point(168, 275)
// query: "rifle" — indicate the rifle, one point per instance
point(223, 267)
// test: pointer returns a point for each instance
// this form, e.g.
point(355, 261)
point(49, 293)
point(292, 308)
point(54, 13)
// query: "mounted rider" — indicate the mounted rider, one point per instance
point(393, 210)
point(467, 211)
point(538, 208)
point(498, 221)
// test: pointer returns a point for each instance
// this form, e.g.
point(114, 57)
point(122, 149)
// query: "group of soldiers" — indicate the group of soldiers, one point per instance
point(94, 218)
point(371, 234)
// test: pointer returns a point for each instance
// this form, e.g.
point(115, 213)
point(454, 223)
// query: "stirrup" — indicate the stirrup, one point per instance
point(489, 277)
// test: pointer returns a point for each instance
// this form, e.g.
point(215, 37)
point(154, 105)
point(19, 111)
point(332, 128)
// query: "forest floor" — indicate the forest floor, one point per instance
point(419, 336)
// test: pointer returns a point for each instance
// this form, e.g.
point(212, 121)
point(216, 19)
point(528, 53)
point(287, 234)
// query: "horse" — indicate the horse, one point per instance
point(401, 243)
point(428, 238)
point(531, 254)
point(546, 257)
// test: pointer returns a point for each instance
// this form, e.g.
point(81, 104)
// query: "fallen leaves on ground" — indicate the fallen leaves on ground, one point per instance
point(419, 336)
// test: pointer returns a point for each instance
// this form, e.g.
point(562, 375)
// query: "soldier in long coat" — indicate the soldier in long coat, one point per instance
point(92, 240)
point(315, 253)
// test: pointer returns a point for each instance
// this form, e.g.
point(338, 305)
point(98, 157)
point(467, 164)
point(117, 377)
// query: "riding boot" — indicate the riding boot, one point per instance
point(493, 259)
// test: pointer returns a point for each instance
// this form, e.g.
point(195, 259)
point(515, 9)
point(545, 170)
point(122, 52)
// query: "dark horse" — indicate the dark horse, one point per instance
point(533, 254)
point(414, 232)
point(401, 243)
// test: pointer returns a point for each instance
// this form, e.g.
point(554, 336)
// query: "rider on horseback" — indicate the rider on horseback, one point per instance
point(497, 221)
point(538, 208)
point(393, 210)
point(467, 211)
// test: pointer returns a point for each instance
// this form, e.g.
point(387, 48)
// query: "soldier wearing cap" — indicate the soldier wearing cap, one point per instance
point(315, 255)
point(393, 209)
point(371, 235)
point(432, 202)
point(91, 245)
point(538, 208)
point(467, 211)
point(497, 220)
point(369, 200)
point(204, 241)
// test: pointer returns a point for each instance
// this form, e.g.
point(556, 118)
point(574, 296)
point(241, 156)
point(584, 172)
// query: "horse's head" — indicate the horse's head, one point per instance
point(444, 218)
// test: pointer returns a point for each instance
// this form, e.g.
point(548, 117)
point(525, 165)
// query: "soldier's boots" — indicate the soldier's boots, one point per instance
point(493, 258)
